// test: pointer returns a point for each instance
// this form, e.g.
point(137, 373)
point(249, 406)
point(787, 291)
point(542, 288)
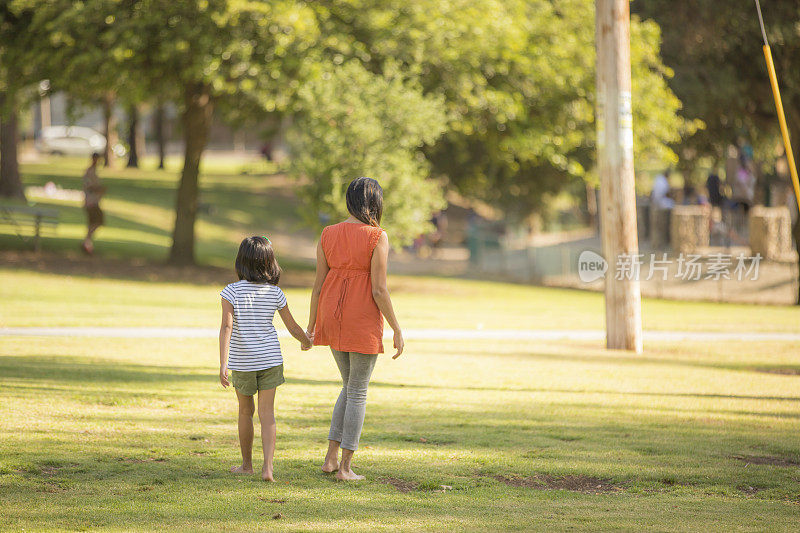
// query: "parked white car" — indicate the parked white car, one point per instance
point(73, 140)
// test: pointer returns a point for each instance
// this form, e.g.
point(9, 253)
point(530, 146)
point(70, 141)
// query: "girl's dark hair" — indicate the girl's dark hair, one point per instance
point(365, 200)
point(256, 261)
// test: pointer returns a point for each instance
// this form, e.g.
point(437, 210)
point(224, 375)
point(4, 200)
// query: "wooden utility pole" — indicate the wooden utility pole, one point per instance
point(615, 166)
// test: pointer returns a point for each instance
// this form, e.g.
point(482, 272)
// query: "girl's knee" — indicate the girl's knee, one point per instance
point(266, 416)
point(247, 408)
point(266, 411)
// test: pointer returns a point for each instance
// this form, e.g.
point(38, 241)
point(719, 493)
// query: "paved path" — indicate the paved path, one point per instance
point(413, 334)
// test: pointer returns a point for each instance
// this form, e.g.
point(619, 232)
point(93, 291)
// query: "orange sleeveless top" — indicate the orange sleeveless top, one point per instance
point(348, 319)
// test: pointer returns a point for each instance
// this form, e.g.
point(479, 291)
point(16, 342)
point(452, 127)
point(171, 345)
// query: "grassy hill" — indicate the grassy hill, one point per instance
point(237, 199)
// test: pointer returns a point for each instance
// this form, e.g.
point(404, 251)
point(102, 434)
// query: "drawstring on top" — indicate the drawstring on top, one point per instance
point(337, 314)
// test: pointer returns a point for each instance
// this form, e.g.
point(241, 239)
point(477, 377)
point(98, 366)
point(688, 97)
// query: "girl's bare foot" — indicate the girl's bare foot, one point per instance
point(266, 474)
point(330, 466)
point(241, 470)
point(348, 475)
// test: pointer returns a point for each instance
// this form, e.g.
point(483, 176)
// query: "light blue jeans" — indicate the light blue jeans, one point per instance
point(348, 413)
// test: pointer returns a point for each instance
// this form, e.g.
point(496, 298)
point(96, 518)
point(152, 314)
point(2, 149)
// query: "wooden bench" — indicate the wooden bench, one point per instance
point(20, 216)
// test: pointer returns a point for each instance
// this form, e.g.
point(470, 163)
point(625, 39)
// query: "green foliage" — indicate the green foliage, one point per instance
point(245, 49)
point(715, 50)
point(356, 123)
point(518, 78)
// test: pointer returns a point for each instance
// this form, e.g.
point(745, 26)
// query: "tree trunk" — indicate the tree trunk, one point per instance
point(197, 114)
point(159, 127)
point(109, 130)
point(10, 182)
point(133, 137)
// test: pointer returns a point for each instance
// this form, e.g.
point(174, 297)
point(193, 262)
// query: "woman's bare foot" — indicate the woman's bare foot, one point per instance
point(348, 475)
point(266, 474)
point(330, 466)
point(241, 470)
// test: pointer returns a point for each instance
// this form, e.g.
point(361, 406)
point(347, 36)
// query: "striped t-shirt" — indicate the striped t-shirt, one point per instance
point(254, 341)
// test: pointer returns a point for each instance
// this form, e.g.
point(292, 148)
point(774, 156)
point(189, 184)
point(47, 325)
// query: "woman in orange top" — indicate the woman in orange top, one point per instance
point(348, 303)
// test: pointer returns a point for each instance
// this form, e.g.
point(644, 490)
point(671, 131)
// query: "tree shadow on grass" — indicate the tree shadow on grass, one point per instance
point(633, 360)
point(66, 369)
point(69, 369)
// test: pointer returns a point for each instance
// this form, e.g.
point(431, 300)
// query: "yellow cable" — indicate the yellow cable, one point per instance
point(782, 120)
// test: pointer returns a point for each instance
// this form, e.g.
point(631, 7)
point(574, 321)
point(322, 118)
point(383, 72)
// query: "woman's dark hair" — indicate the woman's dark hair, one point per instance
point(365, 200)
point(256, 261)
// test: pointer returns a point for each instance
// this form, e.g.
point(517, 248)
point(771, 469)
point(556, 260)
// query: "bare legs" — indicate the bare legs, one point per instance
point(343, 470)
point(345, 473)
point(88, 245)
point(331, 463)
point(246, 410)
point(266, 414)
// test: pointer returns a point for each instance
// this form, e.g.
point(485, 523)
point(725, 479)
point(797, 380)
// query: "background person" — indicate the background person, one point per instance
point(714, 188)
point(92, 192)
point(659, 196)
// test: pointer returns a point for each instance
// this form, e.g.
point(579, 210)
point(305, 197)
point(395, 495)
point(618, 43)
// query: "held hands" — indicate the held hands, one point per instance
point(306, 344)
point(398, 343)
point(223, 376)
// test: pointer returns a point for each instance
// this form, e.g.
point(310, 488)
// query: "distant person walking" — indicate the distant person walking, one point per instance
point(659, 196)
point(92, 192)
point(714, 187)
point(744, 186)
point(348, 303)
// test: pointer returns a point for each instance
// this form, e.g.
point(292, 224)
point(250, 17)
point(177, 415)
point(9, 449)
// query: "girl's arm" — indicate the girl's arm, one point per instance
point(322, 273)
point(294, 328)
point(225, 340)
point(380, 292)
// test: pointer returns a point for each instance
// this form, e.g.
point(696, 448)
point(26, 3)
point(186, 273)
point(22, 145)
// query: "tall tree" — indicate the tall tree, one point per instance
point(158, 126)
point(222, 54)
point(210, 54)
point(15, 75)
point(134, 146)
point(10, 181)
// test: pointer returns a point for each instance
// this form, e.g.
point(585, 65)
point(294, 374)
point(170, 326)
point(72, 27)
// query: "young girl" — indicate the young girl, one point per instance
point(248, 345)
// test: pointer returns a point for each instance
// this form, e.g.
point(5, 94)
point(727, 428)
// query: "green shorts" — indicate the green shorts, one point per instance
point(248, 383)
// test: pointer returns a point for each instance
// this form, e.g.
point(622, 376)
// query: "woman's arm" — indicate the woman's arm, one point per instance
point(322, 273)
point(380, 292)
point(225, 340)
point(294, 328)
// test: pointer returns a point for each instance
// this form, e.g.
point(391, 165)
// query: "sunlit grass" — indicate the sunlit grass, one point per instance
point(137, 433)
point(45, 299)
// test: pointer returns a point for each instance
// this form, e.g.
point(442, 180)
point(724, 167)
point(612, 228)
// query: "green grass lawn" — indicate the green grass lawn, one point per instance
point(131, 434)
point(48, 299)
